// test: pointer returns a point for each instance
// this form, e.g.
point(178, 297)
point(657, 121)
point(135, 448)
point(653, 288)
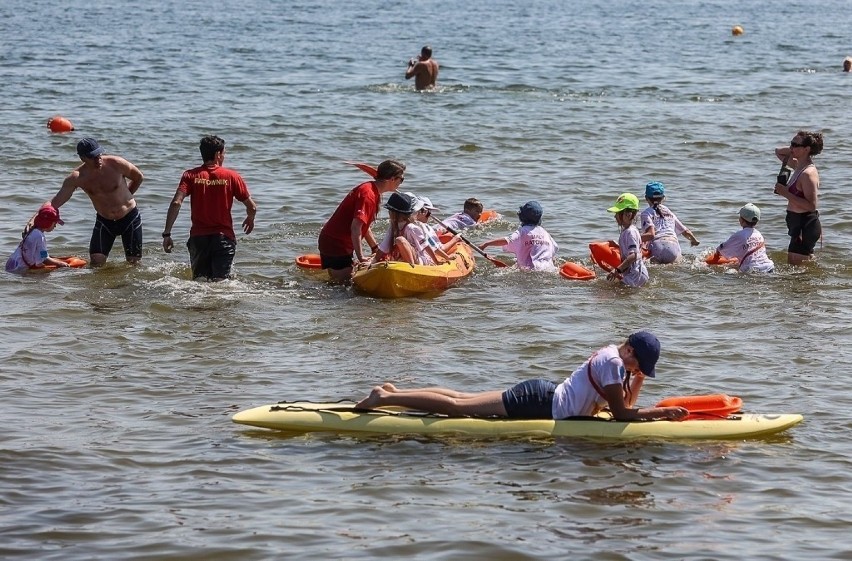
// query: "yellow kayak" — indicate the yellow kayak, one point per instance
point(394, 279)
point(342, 417)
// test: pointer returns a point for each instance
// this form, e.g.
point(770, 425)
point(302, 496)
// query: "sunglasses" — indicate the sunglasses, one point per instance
point(794, 144)
point(401, 178)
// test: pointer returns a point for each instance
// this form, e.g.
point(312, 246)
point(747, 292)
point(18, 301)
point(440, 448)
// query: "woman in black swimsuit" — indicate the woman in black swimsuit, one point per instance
point(801, 189)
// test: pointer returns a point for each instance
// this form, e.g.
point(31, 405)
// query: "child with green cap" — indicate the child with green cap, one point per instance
point(632, 270)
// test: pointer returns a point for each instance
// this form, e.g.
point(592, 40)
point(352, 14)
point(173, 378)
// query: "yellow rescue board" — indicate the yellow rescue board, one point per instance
point(341, 417)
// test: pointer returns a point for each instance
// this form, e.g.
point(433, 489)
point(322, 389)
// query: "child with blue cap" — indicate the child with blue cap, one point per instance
point(612, 377)
point(660, 227)
point(533, 247)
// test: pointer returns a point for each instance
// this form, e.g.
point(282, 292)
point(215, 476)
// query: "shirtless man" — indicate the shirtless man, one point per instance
point(424, 70)
point(104, 179)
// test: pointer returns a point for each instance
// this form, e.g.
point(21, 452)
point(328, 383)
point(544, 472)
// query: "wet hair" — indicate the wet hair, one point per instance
point(210, 146)
point(655, 204)
point(473, 205)
point(812, 140)
point(390, 169)
point(426, 52)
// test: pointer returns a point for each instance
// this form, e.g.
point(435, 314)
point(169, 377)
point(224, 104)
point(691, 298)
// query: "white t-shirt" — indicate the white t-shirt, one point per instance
point(629, 242)
point(665, 226)
point(533, 247)
point(740, 244)
point(416, 237)
point(459, 221)
point(34, 251)
point(576, 396)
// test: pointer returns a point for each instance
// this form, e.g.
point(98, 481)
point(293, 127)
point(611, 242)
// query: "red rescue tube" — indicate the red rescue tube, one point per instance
point(716, 259)
point(575, 271)
point(713, 404)
point(73, 262)
point(58, 123)
point(309, 261)
point(605, 254)
point(488, 215)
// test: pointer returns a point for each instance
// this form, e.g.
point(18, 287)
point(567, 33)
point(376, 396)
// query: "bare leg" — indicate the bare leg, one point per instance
point(798, 258)
point(481, 404)
point(388, 387)
point(340, 275)
point(406, 252)
point(97, 259)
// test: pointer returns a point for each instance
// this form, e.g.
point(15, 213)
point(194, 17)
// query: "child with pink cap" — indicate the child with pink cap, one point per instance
point(32, 251)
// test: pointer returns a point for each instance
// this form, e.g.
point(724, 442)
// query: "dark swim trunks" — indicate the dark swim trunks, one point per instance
point(129, 228)
point(336, 262)
point(805, 230)
point(531, 399)
point(211, 256)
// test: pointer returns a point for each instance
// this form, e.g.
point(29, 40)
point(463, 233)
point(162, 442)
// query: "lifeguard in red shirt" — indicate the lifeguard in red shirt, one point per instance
point(351, 223)
point(212, 190)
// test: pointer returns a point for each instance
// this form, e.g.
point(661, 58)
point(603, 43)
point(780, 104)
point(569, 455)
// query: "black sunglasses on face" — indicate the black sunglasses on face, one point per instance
point(794, 144)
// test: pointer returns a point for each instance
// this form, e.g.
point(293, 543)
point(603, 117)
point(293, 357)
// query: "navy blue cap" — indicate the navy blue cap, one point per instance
point(530, 213)
point(654, 189)
point(400, 202)
point(89, 148)
point(646, 347)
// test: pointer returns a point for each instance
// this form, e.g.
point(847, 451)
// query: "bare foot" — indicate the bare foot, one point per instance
point(388, 387)
point(372, 400)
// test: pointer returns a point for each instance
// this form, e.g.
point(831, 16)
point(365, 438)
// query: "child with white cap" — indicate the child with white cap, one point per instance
point(747, 245)
point(632, 270)
point(532, 245)
point(434, 252)
point(32, 251)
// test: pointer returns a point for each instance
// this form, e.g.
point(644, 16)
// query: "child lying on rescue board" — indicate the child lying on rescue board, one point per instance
point(612, 377)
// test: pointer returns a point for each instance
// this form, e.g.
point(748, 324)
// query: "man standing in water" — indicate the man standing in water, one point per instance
point(110, 182)
point(350, 224)
point(424, 70)
point(212, 189)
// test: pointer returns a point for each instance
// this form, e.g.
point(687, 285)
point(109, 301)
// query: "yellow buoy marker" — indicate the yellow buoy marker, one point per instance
point(737, 30)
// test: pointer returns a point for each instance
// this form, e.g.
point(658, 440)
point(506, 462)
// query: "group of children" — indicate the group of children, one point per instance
point(656, 237)
point(412, 239)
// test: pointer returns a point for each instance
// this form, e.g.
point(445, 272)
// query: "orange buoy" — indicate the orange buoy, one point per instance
point(488, 215)
point(713, 404)
point(737, 30)
point(575, 271)
point(605, 254)
point(59, 123)
point(73, 262)
point(716, 259)
point(309, 261)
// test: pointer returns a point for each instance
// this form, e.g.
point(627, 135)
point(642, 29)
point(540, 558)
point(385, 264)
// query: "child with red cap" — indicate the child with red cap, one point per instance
point(32, 251)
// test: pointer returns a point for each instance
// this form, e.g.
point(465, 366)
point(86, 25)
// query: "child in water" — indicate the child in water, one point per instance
point(531, 244)
point(632, 270)
point(32, 251)
point(747, 245)
point(660, 226)
point(467, 218)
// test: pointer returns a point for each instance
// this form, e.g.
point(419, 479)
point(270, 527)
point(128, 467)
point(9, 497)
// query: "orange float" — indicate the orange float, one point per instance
point(58, 123)
point(605, 254)
point(575, 271)
point(488, 216)
point(366, 168)
point(73, 262)
point(716, 405)
point(716, 259)
point(309, 261)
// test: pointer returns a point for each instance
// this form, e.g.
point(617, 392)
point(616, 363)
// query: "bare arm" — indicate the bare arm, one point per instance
point(623, 412)
point(251, 211)
point(68, 187)
point(355, 232)
point(411, 72)
point(171, 216)
point(501, 242)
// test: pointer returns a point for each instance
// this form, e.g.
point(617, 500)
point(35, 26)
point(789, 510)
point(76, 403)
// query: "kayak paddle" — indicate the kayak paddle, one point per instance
point(496, 262)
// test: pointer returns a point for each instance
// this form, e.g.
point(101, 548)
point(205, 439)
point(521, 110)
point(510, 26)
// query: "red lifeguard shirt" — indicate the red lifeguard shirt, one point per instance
point(362, 202)
point(212, 190)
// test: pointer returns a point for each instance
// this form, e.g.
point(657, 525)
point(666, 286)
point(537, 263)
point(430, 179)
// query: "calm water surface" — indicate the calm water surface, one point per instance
point(118, 384)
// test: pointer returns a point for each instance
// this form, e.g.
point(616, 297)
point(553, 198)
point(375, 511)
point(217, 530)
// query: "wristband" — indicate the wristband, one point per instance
point(167, 234)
